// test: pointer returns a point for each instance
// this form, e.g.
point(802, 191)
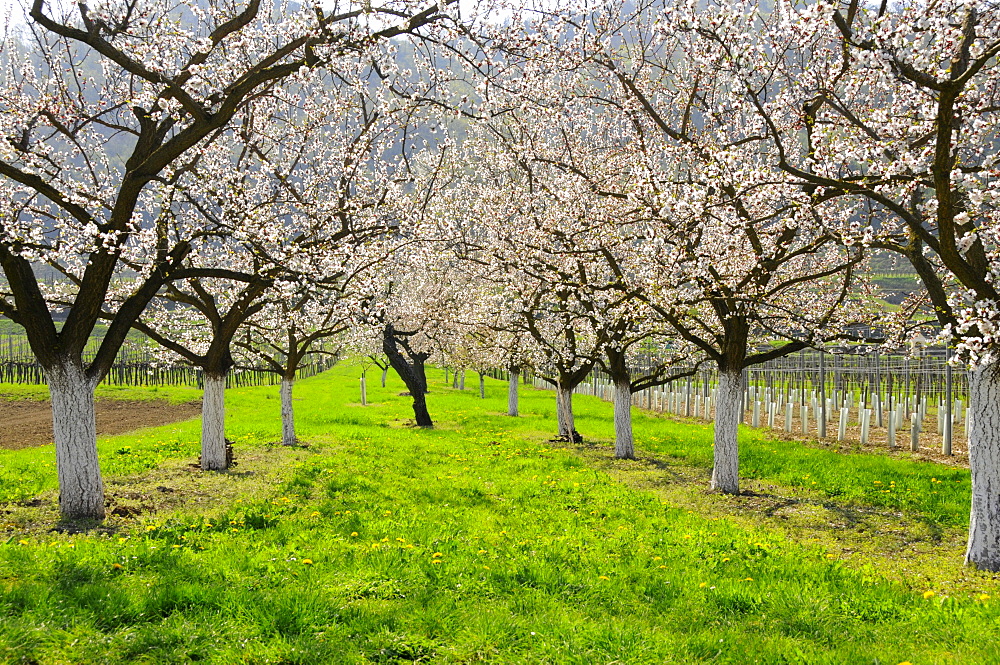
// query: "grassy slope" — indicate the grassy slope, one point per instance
point(476, 541)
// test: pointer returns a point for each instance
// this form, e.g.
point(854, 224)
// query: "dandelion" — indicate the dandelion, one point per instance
point(354, 534)
point(928, 594)
point(749, 579)
point(116, 566)
point(725, 559)
point(482, 551)
point(307, 562)
point(657, 558)
point(603, 577)
point(436, 555)
point(703, 585)
point(23, 542)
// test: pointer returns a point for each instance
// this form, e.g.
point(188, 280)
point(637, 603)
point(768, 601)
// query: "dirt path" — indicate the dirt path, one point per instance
point(27, 423)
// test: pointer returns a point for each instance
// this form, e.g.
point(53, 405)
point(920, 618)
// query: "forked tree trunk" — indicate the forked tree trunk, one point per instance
point(728, 413)
point(81, 489)
point(411, 371)
point(564, 412)
point(512, 392)
point(288, 437)
point(983, 550)
point(624, 439)
point(213, 424)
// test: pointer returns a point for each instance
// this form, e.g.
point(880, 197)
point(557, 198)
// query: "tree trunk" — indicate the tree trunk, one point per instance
point(288, 437)
point(564, 411)
point(412, 372)
point(512, 392)
point(624, 439)
point(385, 372)
point(81, 489)
point(482, 386)
point(621, 397)
point(213, 424)
point(983, 549)
point(728, 413)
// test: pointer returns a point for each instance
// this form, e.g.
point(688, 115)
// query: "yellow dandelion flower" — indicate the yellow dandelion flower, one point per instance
point(354, 533)
point(983, 596)
point(23, 542)
point(725, 559)
point(482, 551)
point(703, 585)
point(928, 594)
point(603, 577)
point(116, 566)
point(307, 562)
point(436, 555)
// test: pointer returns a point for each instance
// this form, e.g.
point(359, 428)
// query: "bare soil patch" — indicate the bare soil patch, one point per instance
point(28, 423)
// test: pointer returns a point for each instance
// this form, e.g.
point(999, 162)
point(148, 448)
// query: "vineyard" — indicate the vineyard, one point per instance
point(139, 366)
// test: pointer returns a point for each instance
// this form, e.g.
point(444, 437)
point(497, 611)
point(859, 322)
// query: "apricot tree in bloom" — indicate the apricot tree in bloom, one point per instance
point(706, 231)
point(897, 109)
point(89, 157)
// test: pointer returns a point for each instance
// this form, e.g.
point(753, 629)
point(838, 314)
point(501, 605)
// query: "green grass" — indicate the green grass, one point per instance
point(477, 541)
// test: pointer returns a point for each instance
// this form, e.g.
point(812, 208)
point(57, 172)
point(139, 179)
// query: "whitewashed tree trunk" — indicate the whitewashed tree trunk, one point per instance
point(624, 439)
point(564, 411)
point(983, 549)
point(482, 386)
point(288, 437)
point(213, 424)
point(81, 489)
point(728, 413)
point(385, 373)
point(512, 393)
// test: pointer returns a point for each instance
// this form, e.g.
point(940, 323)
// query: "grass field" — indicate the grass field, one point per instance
point(480, 541)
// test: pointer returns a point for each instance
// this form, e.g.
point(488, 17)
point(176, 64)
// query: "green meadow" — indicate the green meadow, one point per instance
point(483, 541)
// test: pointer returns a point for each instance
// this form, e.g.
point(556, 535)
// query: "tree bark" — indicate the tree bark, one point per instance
point(81, 489)
point(385, 372)
point(728, 413)
point(983, 550)
point(213, 424)
point(512, 392)
point(621, 397)
point(482, 386)
point(411, 371)
point(288, 437)
point(624, 438)
point(564, 412)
